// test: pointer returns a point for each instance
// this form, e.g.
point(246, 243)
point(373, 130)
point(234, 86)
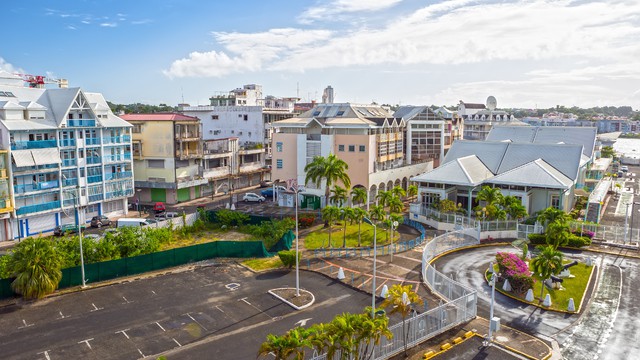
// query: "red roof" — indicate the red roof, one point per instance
point(158, 117)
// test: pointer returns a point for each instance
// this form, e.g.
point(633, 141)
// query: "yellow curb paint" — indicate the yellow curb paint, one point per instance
point(428, 355)
point(468, 334)
point(457, 340)
point(446, 346)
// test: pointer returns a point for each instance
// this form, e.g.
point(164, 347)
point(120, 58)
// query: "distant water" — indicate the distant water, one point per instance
point(628, 147)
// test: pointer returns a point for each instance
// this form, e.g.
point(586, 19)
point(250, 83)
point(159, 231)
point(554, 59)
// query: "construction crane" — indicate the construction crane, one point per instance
point(39, 81)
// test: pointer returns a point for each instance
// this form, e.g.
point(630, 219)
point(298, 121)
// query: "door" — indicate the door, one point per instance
point(158, 195)
point(197, 192)
point(183, 195)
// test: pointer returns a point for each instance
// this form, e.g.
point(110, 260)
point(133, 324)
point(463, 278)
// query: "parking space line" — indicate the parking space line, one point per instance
point(218, 307)
point(157, 323)
point(61, 316)
point(25, 324)
point(126, 301)
point(154, 293)
point(95, 308)
point(140, 351)
point(86, 342)
point(244, 299)
point(46, 354)
point(196, 321)
point(176, 341)
point(123, 332)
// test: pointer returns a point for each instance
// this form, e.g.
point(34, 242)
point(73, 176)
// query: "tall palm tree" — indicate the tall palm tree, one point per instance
point(402, 304)
point(412, 191)
point(384, 197)
point(491, 196)
point(377, 212)
point(332, 169)
point(398, 191)
point(339, 196)
point(372, 331)
point(282, 347)
point(557, 233)
point(330, 214)
point(395, 205)
point(347, 215)
point(36, 265)
point(359, 195)
point(552, 214)
point(358, 215)
point(547, 263)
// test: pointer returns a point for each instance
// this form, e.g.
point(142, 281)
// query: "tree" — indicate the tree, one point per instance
point(282, 347)
point(332, 169)
point(514, 208)
point(447, 205)
point(347, 215)
point(398, 191)
point(384, 197)
point(491, 196)
point(395, 205)
point(330, 214)
point(339, 196)
point(412, 191)
point(401, 304)
point(36, 264)
point(552, 214)
point(547, 263)
point(358, 215)
point(359, 195)
point(607, 152)
point(557, 233)
point(377, 212)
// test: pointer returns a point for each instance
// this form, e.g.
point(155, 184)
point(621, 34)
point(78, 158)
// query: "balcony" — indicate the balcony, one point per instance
point(81, 123)
point(29, 209)
point(94, 179)
point(116, 157)
point(188, 154)
point(118, 175)
point(94, 160)
point(26, 188)
point(69, 182)
point(218, 172)
point(96, 197)
point(119, 193)
point(92, 141)
point(123, 139)
point(251, 167)
point(188, 136)
point(35, 144)
point(69, 162)
point(67, 142)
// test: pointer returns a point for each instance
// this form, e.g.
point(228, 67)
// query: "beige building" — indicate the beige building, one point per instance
point(167, 154)
point(367, 137)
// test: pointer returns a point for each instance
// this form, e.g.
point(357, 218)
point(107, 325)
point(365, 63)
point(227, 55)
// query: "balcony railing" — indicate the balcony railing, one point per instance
point(92, 141)
point(94, 179)
point(122, 139)
point(69, 182)
point(81, 123)
point(119, 193)
point(94, 160)
point(117, 157)
point(96, 197)
point(46, 185)
point(69, 162)
point(118, 175)
point(28, 209)
point(35, 144)
point(68, 202)
point(67, 142)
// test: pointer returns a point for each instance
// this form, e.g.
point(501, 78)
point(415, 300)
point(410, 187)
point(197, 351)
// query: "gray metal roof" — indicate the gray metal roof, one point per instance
point(468, 170)
point(565, 158)
point(585, 136)
point(490, 153)
point(537, 173)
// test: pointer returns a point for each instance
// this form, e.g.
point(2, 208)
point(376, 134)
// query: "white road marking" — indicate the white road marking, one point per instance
point(196, 321)
point(61, 316)
point(140, 351)
point(218, 307)
point(95, 308)
point(245, 300)
point(46, 354)
point(126, 301)
point(157, 323)
point(303, 322)
point(25, 324)
point(154, 293)
point(232, 286)
point(176, 341)
point(123, 333)
point(86, 342)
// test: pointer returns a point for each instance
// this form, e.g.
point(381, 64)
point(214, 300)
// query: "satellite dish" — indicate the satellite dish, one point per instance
point(491, 103)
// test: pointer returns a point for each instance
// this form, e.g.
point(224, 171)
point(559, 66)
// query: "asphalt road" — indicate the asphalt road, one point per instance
point(214, 306)
point(608, 326)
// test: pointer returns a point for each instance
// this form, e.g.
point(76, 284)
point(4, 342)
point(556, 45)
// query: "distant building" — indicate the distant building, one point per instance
point(478, 120)
point(327, 95)
point(67, 149)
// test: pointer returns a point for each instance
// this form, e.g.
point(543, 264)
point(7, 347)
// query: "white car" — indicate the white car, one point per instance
point(252, 197)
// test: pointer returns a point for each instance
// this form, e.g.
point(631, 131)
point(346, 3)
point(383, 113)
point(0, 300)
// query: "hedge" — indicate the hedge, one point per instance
point(574, 240)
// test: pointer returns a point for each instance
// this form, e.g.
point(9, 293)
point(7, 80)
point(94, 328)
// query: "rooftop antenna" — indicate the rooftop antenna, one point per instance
point(182, 93)
point(298, 90)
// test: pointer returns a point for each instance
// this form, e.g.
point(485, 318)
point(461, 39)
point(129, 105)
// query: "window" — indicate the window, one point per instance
point(137, 128)
point(555, 201)
point(352, 148)
point(279, 147)
point(182, 163)
point(214, 117)
point(362, 148)
point(70, 116)
point(340, 147)
point(279, 163)
point(216, 132)
point(156, 164)
point(246, 117)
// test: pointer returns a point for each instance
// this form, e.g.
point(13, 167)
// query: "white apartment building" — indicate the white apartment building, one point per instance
point(65, 145)
point(478, 120)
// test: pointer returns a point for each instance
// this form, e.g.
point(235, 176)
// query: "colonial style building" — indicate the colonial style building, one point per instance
point(478, 120)
point(367, 137)
point(67, 149)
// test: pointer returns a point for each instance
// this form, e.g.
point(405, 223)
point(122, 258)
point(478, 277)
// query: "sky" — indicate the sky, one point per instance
point(526, 53)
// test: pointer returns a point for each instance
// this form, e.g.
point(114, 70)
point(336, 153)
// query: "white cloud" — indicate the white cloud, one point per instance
point(10, 68)
point(109, 24)
point(71, 27)
point(326, 10)
point(141, 22)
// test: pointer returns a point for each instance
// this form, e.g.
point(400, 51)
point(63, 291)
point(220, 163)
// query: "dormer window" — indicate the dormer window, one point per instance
point(70, 116)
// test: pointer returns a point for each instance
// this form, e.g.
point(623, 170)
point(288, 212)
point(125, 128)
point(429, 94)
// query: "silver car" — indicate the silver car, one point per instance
point(253, 198)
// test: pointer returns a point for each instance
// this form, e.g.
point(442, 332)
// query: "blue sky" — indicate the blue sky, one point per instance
point(527, 53)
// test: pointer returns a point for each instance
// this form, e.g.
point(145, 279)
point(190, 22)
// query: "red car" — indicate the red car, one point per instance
point(159, 207)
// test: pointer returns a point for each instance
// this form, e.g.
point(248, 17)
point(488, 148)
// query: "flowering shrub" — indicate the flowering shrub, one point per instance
point(306, 220)
point(583, 233)
point(515, 270)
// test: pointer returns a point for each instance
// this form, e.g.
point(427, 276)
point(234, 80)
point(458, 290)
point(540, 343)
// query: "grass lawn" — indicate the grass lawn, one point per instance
point(320, 237)
point(573, 288)
point(204, 236)
point(263, 263)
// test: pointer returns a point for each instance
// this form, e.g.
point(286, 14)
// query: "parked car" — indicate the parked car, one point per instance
point(253, 197)
point(167, 215)
point(267, 193)
point(100, 221)
point(266, 183)
point(94, 237)
point(66, 229)
point(159, 207)
point(126, 222)
point(624, 168)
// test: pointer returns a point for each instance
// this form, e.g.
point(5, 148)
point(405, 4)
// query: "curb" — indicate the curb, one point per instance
point(524, 333)
point(313, 298)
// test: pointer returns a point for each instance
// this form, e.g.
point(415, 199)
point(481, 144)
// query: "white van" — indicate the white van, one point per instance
point(124, 222)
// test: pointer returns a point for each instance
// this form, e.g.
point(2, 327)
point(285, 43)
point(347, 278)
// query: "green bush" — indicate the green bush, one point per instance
point(5, 272)
point(288, 257)
point(231, 218)
point(271, 231)
point(574, 240)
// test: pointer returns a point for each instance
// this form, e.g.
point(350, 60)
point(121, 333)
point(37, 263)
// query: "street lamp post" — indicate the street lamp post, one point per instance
point(76, 208)
point(626, 222)
point(296, 191)
point(138, 202)
point(375, 252)
point(493, 296)
point(632, 214)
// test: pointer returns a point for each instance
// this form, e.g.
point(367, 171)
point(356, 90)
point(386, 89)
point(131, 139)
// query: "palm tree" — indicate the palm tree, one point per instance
point(412, 190)
point(282, 347)
point(377, 212)
point(401, 303)
point(552, 214)
point(398, 191)
point(36, 265)
point(557, 233)
point(491, 196)
point(395, 205)
point(547, 263)
point(358, 215)
point(347, 215)
point(339, 196)
point(332, 169)
point(330, 214)
point(372, 331)
point(384, 197)
point(359, 195)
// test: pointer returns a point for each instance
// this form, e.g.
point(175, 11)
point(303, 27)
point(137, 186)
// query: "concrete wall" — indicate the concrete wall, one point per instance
point(288, 155)
point(231, 123)
point(359, 165)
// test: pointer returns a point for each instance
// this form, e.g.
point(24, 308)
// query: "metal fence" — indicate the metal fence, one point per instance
point(610, 233)
point(458, 305)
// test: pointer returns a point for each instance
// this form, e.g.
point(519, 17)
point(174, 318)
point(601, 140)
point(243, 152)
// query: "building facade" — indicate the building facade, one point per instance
point(68, 151)
point(367, 137)
point(478, 120)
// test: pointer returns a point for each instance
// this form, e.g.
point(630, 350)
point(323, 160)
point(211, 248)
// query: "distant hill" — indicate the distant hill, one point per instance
point(139, 108)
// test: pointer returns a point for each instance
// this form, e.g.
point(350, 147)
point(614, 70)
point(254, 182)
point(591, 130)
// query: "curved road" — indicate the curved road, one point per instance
point(608, 326)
